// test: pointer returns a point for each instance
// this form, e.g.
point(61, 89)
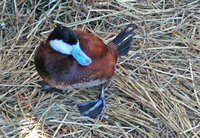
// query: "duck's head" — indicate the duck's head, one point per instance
point(63, 40)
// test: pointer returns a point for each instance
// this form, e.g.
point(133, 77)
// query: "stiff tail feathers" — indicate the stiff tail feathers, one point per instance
point(122, 42)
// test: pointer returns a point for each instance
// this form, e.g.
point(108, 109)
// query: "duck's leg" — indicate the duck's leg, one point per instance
point(94, 108)
point(46, 87)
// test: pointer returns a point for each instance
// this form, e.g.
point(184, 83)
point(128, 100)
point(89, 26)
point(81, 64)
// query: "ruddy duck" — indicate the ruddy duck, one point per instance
point(76, 59)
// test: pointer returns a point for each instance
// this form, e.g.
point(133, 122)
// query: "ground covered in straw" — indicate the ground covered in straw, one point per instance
point(155, 89)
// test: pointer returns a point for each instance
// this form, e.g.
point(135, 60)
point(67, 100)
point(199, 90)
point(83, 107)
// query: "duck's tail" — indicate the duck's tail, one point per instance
point(122, 42)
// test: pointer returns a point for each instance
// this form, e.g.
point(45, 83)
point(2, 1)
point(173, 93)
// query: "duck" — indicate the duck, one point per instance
point(72, 58)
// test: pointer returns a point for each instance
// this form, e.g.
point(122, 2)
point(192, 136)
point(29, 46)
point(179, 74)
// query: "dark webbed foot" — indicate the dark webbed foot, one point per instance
point(46, 87)
point(94, 108)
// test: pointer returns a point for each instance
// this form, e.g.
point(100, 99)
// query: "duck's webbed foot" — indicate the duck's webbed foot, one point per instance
point(94, 108)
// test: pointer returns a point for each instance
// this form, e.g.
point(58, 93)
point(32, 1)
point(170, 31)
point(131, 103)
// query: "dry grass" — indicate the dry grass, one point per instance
point(154, 92)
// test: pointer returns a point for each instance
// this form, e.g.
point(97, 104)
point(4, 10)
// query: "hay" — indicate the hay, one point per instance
point(155, 89)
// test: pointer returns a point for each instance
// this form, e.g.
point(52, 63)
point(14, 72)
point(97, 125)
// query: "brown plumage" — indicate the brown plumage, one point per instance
point(62, 71)
point(74, 59)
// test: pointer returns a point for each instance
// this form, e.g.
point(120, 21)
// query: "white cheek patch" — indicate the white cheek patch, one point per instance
point(61, 46)
point(74, 50)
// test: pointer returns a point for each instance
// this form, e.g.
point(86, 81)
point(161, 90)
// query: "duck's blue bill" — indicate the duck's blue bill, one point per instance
point(80, 56)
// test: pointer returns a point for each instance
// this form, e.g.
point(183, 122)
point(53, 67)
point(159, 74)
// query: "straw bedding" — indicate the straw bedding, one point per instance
point(156, 86)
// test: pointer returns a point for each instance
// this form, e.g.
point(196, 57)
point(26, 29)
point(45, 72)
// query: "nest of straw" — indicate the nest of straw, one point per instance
point(156, 86)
